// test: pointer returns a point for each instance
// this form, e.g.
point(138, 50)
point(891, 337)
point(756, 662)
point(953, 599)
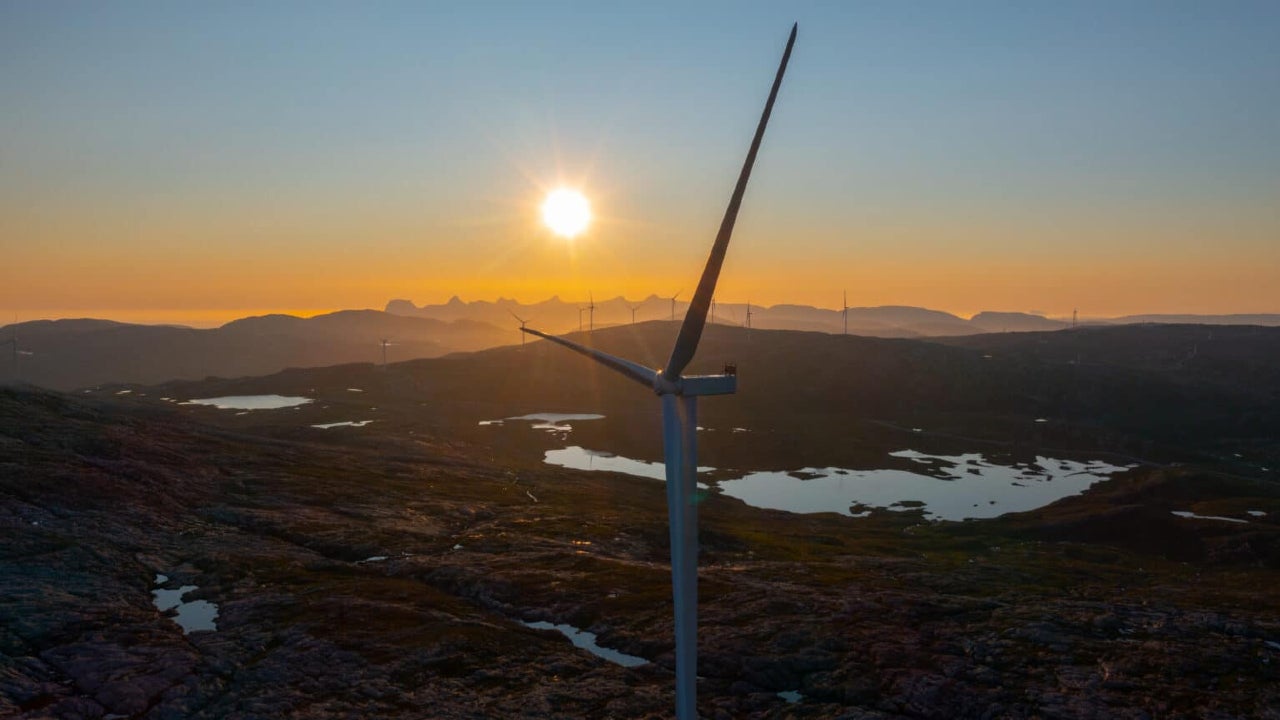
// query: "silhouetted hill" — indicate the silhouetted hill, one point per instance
point(1267, 319)
point(821, 396)
point(557, 316)
point(1014, 322)
point(75, 353)
point(1236, 358)
point(68, 354)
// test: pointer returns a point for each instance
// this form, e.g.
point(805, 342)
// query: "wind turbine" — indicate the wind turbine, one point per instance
point(13, 342)
point(522, 322)
point(634, 308)
point(748, 316)
point(679, 395)
point(845, 312)
point(385, 343)
point(591, 312)
point(579, 319)
point(673, 305)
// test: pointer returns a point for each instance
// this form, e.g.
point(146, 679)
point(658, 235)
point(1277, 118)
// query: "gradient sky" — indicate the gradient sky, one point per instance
point(196, 162)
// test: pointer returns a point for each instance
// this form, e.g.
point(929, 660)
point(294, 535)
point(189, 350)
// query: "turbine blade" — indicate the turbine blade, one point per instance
point(696, 318)
point(635, 371)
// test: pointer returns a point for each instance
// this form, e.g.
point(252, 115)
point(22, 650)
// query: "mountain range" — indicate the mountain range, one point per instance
point(560, 316)
point(71, 354)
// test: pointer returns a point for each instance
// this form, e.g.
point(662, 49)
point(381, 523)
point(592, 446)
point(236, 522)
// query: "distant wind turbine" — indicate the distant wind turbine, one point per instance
point(673, 305)
point(13, 342)
point(748, 317)
point(385, 343)
point(845, 312)
point(634, 308)
point(522, 322)
point(679, 422)
point(591, 312)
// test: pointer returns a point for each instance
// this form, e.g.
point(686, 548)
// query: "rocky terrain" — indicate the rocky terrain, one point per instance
point(388, 570)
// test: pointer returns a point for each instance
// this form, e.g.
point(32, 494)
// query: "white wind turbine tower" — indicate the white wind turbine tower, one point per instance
point(673, 305)
point(634, 308)
point(679, 395)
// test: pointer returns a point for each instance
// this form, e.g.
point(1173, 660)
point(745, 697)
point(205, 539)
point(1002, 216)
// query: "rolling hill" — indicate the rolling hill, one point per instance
point(69, 354)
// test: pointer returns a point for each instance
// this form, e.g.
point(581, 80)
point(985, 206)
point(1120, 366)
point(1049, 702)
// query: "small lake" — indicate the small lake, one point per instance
point(1220, 518)
point(191, 616)
point(587, 641)
point(942, 487)
point(947, 487)
point(582, 459)
point(579, 458)
point(251, 402)
point(551, 422)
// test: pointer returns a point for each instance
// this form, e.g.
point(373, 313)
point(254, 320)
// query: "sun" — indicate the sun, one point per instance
point(566, 212)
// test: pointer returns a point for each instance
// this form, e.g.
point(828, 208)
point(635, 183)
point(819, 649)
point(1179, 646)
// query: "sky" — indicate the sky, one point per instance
point(196, 162)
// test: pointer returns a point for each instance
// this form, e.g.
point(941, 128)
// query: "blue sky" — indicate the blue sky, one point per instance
point(943, 132)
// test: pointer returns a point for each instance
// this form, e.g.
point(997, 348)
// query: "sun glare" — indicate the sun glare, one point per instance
point(566, 212)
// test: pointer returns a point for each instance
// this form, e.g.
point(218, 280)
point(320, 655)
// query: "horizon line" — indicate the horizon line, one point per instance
point(206, 318)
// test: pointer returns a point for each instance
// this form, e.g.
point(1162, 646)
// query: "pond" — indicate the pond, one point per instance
point(942, 487)
point(947, 487)
point(251, 402)
point(191, 616)
point(587, 641)
point(1193, 516)
point(348, 423)
point(582, 459)
point(551, 422)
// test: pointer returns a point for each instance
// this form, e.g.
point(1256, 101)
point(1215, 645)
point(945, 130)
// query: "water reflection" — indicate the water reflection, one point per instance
point(1194, 516)
point(950, 487)
point(579, 458)
point(587, 641)
point(191, 616)
point(250, 402)
point(551, 422)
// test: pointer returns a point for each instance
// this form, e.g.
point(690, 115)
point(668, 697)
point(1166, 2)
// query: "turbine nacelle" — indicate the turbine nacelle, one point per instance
point(695, 385)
